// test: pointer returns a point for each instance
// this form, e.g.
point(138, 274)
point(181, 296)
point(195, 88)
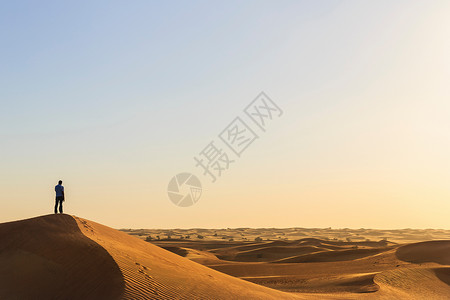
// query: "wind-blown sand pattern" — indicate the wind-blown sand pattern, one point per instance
point(67, 257)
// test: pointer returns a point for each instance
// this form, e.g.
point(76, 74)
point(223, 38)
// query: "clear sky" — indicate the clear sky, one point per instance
point(116, 97)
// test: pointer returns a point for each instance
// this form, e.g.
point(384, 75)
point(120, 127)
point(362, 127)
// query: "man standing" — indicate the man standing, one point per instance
point(59, 189)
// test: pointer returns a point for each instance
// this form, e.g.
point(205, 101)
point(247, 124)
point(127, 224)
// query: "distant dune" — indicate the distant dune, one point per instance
point(66, 257)
point(325, 268)
point(432, 251)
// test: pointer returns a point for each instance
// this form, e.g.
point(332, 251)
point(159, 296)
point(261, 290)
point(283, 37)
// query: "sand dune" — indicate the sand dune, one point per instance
point(413, 283)
point(330, 269)
point(65, 257)
point(50, 258)
point(328, 255)
point(432, 251)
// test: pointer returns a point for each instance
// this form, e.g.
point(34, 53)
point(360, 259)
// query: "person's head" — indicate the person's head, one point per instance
point(60, 182)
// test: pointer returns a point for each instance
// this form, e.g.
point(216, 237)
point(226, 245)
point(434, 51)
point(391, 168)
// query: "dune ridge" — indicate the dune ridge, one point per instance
point(150, 272)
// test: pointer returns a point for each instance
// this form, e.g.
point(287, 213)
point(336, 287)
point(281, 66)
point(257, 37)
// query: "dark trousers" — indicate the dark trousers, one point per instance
point(59, 201)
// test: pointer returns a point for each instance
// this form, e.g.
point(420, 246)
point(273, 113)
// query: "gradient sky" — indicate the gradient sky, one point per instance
point(116, 97)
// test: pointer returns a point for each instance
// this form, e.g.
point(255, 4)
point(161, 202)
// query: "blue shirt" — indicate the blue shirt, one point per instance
point(59, 189)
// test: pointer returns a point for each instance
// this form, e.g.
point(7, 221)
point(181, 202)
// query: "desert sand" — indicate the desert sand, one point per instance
point(321, 263)
point(67, 257)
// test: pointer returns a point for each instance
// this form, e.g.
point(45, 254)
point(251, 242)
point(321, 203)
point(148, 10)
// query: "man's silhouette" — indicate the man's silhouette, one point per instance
point(59, 189)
